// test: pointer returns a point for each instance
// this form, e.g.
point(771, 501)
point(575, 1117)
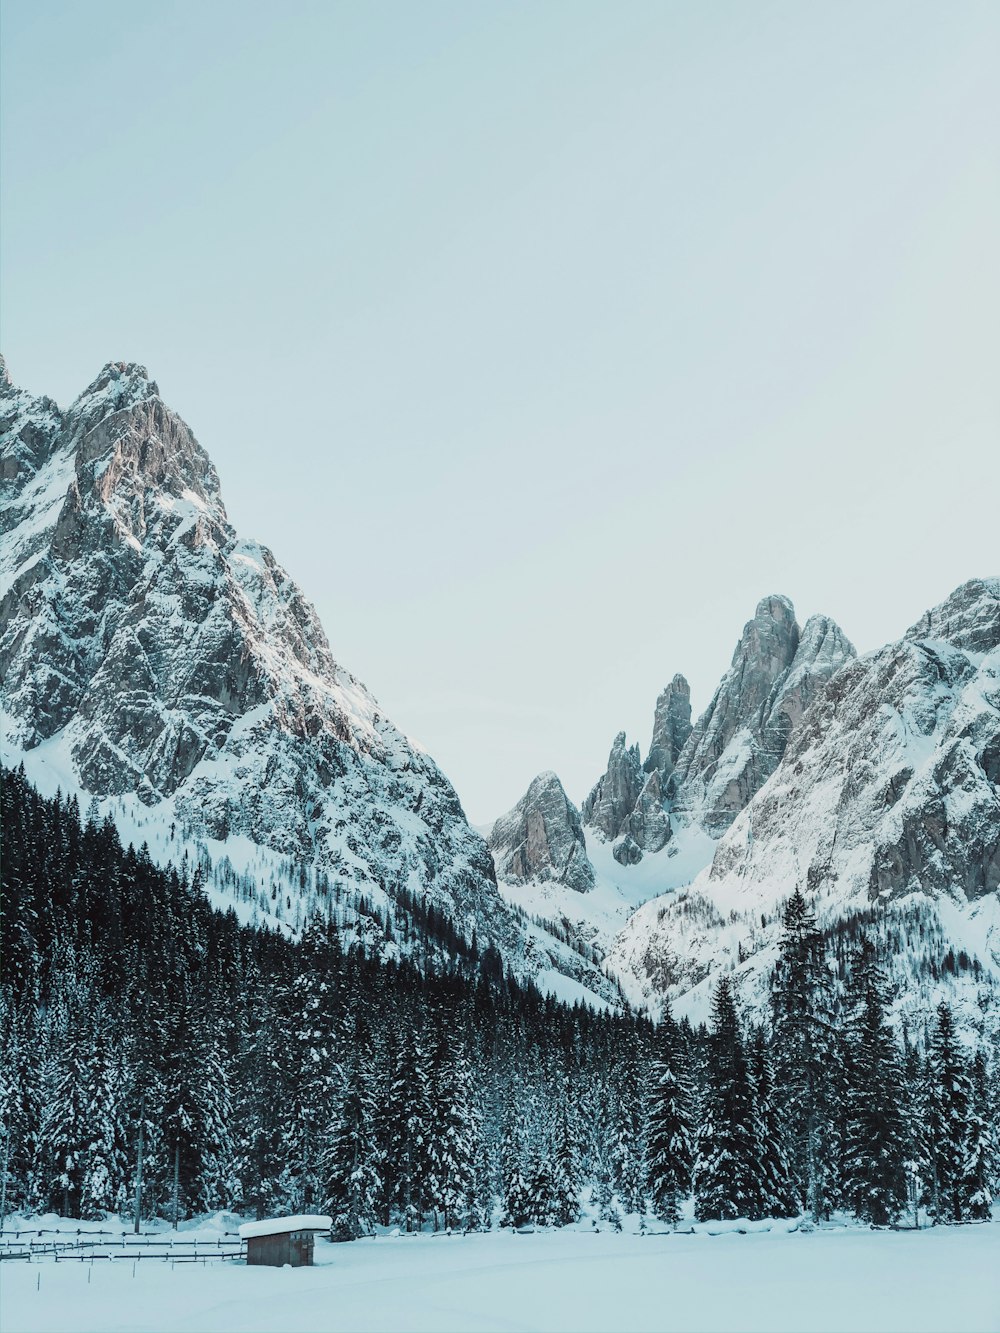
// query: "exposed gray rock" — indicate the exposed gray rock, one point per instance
point(541, 838)
point(671, 728)
point(615, 794)
point(889, 785)
point(740, 739)
point(626, 851)
point(173, 663)
point(648, 825)
point(884, 810)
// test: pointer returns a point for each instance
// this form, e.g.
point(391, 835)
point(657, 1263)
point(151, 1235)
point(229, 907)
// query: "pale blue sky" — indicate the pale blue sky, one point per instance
point(538, 340)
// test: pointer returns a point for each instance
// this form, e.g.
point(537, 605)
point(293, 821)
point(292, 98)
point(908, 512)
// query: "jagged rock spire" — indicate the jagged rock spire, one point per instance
point(671, 728)
point(615, 794)
point(541, 838)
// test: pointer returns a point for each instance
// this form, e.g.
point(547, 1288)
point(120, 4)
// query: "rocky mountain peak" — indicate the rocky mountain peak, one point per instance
point(776, 672)
point(118, 385)
point(130, 444)
point(155, 660)
point(671, 728)
point(615, 794)
point(541, 838)
point(765, 649)
point(969, 619)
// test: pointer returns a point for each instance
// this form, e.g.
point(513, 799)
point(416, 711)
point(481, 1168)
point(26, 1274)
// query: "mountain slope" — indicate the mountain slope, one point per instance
point(154, 660)
point(885, 809)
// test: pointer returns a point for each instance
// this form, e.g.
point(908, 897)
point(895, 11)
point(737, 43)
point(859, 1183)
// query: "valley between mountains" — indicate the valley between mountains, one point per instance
point(170, 674)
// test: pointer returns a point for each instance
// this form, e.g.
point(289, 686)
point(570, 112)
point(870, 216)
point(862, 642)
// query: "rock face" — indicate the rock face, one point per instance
point(615, 794)
point(884, 810)
point(541, 838)
point(706, 775)
point(671, 728)
point(150, 656)
point(739, 741)
point(889, 786)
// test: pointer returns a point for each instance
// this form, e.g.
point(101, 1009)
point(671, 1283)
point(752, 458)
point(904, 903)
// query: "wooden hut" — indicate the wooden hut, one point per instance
point(277, 1241)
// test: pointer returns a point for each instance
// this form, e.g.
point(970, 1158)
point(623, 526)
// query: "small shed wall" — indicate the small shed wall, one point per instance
point(273, 1250)
point(288, 1247)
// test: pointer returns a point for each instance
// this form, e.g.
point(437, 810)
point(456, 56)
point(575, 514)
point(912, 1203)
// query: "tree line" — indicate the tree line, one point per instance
point(262, 1073)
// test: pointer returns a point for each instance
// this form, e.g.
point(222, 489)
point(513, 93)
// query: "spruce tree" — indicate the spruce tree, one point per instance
point(403, 1134)
point(347, 1168)
point(669, 1124)
point(565, 1165)
point(64, 1131)
point(775, 1184)
point(805, 1053)
point(453, 1133)
point(104, 1180)
point(876, 1146)
point(979, 1162)
point(725, 1183)
point(949, 1117)
point(515, 1185)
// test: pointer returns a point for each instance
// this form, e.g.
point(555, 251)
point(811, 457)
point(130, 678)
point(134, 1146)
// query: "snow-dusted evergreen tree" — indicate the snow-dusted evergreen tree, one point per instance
point(541, 1189)
point(348, 1174)
point(979, 1165)
point(725, 1183)
point(628, 1148)
point(774, 1175)
point(949, 1116)
point(876, 1141)
point(669, 1124)
point(805, 1053)
point(65, 1132)
point(515, 1184)
point(308, 1061)
point(403, 1134)
point(453, 1133)
point(213, 1185)
point(21, 1065)
point(565, 1174)
point(105, 1176)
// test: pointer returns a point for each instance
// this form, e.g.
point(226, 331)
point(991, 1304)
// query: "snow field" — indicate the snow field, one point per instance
point(947, 1278)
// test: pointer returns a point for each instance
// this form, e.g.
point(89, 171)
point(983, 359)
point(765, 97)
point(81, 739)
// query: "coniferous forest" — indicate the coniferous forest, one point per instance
point(265, 1074)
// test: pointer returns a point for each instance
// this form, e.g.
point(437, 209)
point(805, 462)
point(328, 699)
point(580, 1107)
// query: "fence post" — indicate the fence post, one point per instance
point(177, 1178)
point(138, 1174)
point(3, 1178)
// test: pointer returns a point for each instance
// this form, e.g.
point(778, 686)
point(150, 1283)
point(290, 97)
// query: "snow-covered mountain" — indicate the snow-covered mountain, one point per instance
point(155, 661)
point(173, 674)
point(873, 784)
point(885, 810)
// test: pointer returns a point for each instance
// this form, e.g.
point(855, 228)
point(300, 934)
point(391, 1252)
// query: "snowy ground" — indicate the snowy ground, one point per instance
point(848, 1279)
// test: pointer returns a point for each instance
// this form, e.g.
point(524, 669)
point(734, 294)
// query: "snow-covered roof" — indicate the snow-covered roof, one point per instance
point(277, 1226)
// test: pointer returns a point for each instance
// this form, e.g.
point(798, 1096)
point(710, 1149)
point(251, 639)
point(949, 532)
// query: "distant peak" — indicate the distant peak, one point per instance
point(5, 380)
point(118, 386)
point(775, 607)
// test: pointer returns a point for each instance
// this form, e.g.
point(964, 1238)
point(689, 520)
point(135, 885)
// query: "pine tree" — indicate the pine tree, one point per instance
point(64, 1137)
point(725, 1184)
point(403, 1135)
point(541, 1190)
point(876, 1141)
point(453, 1133)
point(565, 1166)
point(669, 1125)
point(949, 1099)
point(104, 1179)
point(516, 1199)
point(349, 1176)
point(805, 1054)
point(979, 1163)
point(773, 1172)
